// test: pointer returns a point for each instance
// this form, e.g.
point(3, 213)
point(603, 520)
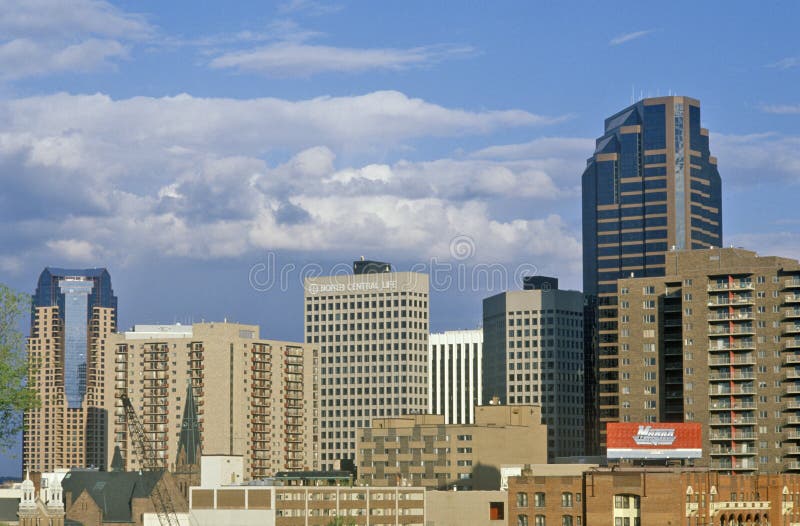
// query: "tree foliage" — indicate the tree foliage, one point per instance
point(15, 396)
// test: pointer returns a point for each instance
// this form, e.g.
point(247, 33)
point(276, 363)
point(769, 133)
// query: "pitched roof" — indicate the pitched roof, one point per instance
point(112, 491)
point(117, 464)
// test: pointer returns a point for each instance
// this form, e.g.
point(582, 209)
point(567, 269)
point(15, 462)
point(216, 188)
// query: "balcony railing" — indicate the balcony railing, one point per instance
point(736, 285)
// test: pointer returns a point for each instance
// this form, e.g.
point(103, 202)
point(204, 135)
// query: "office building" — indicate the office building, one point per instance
point(533, 354)
point(717, 341)
point(422, 450)
point(454, 375)
point(650, 185)
point(633, 496)
point(254, 398)
point(371, 328)
point(73, 312)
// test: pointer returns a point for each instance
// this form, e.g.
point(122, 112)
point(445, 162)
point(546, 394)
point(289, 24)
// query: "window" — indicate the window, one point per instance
point(522, 500)
point(496, 511)
point(566, 500)
point(522, 520)
point(539, 521)
point(566, 520)
point(538, 500)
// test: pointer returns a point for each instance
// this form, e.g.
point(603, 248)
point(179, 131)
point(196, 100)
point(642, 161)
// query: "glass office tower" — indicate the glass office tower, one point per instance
point(651, 186)
point(72, 313)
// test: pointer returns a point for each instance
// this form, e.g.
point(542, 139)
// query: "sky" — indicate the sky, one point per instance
point(211, 154)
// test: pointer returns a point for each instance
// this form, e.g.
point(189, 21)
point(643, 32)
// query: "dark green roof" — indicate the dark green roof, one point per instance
point(117, 464)
point(189, 440)
point(112, 491)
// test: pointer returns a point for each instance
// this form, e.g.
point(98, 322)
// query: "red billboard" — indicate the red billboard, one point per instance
point(654, 440)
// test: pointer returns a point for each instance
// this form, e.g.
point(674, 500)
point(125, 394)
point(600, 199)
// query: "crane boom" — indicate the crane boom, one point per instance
point(162, 502)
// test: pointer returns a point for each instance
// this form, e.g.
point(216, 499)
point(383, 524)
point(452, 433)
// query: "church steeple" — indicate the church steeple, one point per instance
point(189, 442)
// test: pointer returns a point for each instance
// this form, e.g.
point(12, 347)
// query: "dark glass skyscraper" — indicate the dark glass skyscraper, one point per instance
point(650, 186)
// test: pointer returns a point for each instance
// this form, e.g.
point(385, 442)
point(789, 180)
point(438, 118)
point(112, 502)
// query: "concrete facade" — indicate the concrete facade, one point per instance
point(255, 398)
point(372, 333)
point(424, 451)
point(457, 508)
point(533, 354)
point(717, 341)
point(454, 375)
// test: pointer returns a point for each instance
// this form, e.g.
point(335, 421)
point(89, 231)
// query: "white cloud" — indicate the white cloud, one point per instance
point(74, 250)
point(286, 59)
point(541, 147)
point(784, 244)
point(627, 37)
point(50, 36)
point(99, 181)
point(747, 160)
point(785, 63)
point(781, 109)
point(309, 7)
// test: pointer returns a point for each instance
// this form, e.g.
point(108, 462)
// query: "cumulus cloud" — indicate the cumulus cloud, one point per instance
point(49, 36)
point(93, 180)
point(781, 109)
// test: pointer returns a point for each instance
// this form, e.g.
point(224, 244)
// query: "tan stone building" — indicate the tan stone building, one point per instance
point(422, 450)
point(717, 341)
point(73, 314)
point(371, 328)
point(255, 398)
point(307, 506)
point(663, 496)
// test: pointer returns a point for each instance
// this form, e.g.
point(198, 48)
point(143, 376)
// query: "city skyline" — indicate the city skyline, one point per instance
point(458, 142)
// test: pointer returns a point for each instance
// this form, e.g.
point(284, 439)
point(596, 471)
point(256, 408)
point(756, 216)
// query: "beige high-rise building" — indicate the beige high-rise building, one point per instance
point(422, 450)
point(717, 341)
point(74, 312)
point(533, 354)
point(255, 398)
point(371, 328)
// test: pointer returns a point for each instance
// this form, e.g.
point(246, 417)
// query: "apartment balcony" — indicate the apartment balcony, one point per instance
point(792, 283)
point(740, 345)
point(740, 450)
point(791, 313)
point(738, 421)
point(726, 390)
point(727, 317)
point(792, 298)
point(739, 359)
point(720, 376)
point(741, 464)
point(792, 374)
point(720, 405)
point(794, 465)
point(735, 435)
point(724, 302)
point(792, 389)
point(791, 359)
point(736, 285)
point(792, 420)
point(727, 330)
point(793, 434)
point(792, 329)
point(791, 451)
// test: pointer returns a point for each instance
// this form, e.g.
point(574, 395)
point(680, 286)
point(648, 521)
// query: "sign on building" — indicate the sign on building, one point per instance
point(654, 440)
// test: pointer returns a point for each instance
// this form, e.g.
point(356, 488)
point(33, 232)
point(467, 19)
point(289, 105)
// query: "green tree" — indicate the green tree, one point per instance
point(15, 396)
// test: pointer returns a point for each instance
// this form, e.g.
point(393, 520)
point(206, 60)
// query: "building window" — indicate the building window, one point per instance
point(566, 500)
point(566, 520)
point(496, 511)
point(522, 501)
point(539, 521)
point(538, 500)
point(522, 520)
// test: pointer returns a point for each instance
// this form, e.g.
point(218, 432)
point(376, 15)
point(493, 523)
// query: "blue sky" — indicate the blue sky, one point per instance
point(189, 146)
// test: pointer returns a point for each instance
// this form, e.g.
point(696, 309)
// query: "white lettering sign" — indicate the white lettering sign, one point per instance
point(648, 436)
point(364, 286)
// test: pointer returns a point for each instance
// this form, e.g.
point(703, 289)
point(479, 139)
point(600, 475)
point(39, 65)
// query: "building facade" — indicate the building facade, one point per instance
point(717, 341)
point(636, 496)
point(533, 354)
point(371, 328)
point(422, 450)
point(73, 312)
point(255, 398)
point(454, 375)
point(650, 185)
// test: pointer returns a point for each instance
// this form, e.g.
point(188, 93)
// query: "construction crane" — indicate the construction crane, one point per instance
point(150, 461)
